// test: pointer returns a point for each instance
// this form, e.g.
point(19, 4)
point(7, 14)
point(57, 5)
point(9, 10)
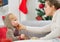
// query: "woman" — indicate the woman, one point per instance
point(52, 8)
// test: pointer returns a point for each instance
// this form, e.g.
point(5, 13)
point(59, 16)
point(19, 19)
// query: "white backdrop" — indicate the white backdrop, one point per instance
point(13, 6)
point(31, 6)
point(3, 11)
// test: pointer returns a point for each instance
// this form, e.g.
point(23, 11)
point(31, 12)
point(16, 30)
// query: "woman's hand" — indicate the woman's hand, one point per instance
point(22, 27)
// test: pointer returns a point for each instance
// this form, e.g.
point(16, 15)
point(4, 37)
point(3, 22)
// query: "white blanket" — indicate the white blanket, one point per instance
point(52, 40)
point(34, 41)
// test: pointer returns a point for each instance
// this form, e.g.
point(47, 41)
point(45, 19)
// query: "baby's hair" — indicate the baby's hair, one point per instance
point(12, 16)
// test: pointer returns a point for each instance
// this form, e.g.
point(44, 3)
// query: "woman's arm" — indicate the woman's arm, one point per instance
point(54, 34)
point(39, 30)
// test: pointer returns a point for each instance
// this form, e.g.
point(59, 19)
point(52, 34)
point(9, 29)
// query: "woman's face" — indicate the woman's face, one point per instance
point(49, 9)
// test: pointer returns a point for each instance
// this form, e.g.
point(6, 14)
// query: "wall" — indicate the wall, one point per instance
point(13, 7)
point(31, 6)
point(22, 15)
point(3, 11)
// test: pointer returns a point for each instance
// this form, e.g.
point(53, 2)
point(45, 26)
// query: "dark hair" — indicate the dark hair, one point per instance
point(56, 3)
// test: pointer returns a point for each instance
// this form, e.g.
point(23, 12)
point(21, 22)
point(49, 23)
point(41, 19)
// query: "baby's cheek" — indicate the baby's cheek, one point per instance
point(12, 23)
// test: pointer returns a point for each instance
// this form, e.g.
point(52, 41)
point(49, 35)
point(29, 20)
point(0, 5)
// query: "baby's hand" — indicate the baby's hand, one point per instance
point(22, 37)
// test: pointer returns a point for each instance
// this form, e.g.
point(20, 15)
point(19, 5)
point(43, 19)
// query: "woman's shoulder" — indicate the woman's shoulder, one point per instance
point(57, 13)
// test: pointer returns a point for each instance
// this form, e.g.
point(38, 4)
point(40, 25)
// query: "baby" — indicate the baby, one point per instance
point(13, 27)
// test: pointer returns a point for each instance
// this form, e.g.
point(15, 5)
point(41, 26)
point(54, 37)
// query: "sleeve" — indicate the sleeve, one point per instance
point(11, 35)
point(56, 32)
point(39, 30)
point(52, 35)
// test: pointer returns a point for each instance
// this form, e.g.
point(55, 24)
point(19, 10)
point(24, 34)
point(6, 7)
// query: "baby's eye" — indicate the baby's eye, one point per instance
point(15, 20)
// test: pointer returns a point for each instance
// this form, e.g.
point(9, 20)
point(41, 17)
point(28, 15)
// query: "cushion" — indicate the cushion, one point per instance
point(6, 40)
point(3, 31)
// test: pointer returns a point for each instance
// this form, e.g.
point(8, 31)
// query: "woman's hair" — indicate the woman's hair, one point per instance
point(56, 3)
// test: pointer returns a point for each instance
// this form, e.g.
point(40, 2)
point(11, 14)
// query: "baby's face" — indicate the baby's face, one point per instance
point(13, 20)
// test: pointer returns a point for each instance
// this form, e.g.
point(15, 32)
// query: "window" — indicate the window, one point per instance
point(3, 2)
